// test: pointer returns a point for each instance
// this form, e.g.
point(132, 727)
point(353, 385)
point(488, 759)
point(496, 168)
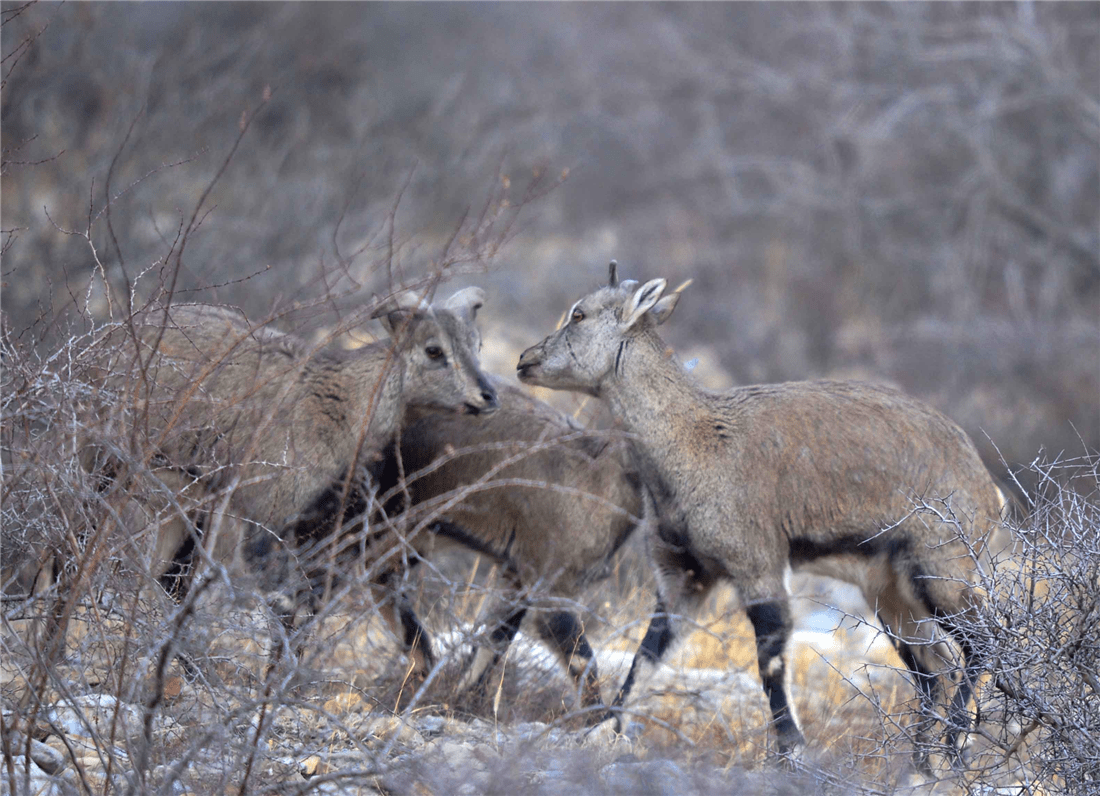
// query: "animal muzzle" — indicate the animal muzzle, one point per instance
point(529, 362)
point(488, 403)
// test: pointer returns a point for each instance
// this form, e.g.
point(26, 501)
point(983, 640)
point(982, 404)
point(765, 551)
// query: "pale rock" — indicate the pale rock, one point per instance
point(385, 729)
point(39, 783)
point(92, 715)
point(47, 758)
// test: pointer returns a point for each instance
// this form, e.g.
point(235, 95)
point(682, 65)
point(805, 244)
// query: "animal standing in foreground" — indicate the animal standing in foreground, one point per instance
point(287, 435)
point(844, 479)
point(532, 490)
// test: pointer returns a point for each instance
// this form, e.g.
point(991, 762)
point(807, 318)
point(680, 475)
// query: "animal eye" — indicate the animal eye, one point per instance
point(577, 316)
point(434, 352)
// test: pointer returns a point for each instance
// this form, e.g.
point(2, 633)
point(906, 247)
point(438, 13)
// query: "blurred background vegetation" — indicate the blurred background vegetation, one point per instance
point(905, 192)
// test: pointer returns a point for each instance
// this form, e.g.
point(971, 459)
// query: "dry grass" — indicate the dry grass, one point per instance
point(347, 695)
point(723, 717)
point(349, 702)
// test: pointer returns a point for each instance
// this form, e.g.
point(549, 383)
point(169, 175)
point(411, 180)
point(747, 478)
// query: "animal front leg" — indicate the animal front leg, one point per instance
point(175, 578)
point(178, 542)
point(771, 624)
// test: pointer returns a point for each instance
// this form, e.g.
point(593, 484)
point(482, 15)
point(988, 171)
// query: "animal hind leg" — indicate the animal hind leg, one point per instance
point(928, 688)
point(907, 614)
point(503, 618)
point(682, 583)
point(563, 632)
point(483, 659)
point(960, 719)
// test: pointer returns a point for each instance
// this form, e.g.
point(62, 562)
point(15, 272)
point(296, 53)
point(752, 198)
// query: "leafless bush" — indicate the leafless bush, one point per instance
point(908, 191)
point(1041, 637)
point(1038, 712)
point(905, 192)
point(1039, 725)
point(90, 634)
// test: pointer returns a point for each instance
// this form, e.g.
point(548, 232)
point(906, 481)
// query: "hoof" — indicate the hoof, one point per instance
point(791, 757)
point(792, 746)
point(604, 734)
point(595, 715)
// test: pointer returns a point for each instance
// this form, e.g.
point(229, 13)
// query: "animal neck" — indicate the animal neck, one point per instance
point(383, 403)
point(375, 378)
point(648, 389)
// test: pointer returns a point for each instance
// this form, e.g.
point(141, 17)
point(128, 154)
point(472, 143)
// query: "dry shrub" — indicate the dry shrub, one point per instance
point(1041, 638)
point(1025, 293)
point(88, 494)
point(1038, 725)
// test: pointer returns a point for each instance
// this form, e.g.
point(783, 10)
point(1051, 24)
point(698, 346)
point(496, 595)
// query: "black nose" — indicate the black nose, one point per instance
point(492, 402)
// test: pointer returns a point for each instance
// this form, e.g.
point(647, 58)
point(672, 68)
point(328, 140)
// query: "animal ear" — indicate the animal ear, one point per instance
point(642, 301)
point(466, 302)
point(663, 308)
point(399, 310)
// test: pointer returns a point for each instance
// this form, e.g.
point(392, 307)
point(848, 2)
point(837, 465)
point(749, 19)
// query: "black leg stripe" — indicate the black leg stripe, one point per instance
point(505, 632)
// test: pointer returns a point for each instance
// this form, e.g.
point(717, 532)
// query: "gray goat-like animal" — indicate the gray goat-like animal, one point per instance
point(845, 479)
point(292, 433)
point(532, 490)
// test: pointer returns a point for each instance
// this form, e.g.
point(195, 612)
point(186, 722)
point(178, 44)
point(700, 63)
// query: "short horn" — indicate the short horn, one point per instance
point(407, 300)
point(613, 275)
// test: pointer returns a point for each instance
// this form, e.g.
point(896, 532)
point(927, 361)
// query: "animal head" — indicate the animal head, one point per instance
point(586, 349)
point(439, 346)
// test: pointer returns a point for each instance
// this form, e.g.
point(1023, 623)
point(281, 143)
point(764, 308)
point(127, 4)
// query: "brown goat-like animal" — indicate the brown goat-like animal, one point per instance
point(846, 479)
point(287, 435)
point(532, 490)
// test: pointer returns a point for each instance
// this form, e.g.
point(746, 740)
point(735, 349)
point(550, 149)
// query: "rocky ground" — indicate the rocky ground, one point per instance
point(346, 720)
